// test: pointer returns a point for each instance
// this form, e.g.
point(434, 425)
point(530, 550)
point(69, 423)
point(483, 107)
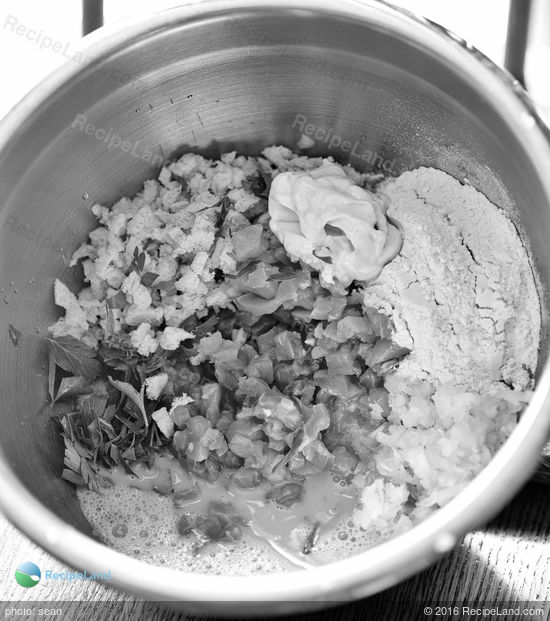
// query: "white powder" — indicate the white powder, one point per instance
point(463, 299)
point(461, 293)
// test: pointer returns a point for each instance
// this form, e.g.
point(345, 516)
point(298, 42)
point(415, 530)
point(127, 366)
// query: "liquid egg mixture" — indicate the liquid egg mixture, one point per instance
point(131, 516)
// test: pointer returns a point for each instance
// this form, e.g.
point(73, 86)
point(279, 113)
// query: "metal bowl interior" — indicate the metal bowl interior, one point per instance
point(374, 87)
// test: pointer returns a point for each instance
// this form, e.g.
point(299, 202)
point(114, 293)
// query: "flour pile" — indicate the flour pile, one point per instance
point(463, 299)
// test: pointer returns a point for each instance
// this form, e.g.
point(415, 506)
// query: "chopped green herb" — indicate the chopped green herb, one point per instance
point(259, 185)
point(148, 279)
point(225, 205)
point(206, 327)
point(168, 287)
point(74, 356)
point(71, 387)
point(116, 301)
point(132, 394)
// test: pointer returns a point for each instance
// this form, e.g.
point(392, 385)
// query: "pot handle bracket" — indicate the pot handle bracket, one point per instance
point(92, 15)
point(517, 41)
point(517, 37)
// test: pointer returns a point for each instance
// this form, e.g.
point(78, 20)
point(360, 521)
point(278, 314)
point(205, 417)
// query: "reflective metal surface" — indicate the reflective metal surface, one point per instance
point(377, 88)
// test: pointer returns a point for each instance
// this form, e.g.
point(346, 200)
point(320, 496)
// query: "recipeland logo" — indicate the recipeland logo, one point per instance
point(29, 575)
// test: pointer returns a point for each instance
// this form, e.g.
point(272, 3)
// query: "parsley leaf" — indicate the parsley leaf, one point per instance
point(167, 286)
point(134, 396)
point(74, 356)
point(148, 279)
point(116, 301)
point(185, 192)
point(78, 469)
point(71, 387)
point(259, 185)
point(153, 363)
point(225, 206)
point(205, 327)
point(286, 272)
point(244, 271)
point(138, 262)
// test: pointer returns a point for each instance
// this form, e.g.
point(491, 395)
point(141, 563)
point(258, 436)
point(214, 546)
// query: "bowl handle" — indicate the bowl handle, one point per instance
point(92, 15)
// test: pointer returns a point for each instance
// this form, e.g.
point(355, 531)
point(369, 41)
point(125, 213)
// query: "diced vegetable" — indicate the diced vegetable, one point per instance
point(290, 288)
point(275, 430)
point(266, 341)
point(304, 299)
point(198, 439)
point(258, 281)
point(318, 455)
point(381, 324)
point(180, 415)
point(246, 477)
point(342, 361)
point(286, 494)
point(300, 467)
point(328, 307)
point(317, 420)
point(257, 305)
point(302, 314)
point(262, 368)
point(379, 406)
point(221, 523)
point(324, 346)
point(251, 387)
point(352, 327)
point(249, 243)
point(369, 379)
point(227, 377)
point(382, 351)
point(216, 349)
point(273, 404)
point(252, 451)
point(208, 469)
point(338, 385)
point(288, 346)
point(186, 497)
point(363, 443)
point(211, 394)
point(185, 526)
point(302, 389)
point(344, 462)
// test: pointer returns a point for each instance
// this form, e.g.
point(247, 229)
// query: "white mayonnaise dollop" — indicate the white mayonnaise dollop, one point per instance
point(338, 228)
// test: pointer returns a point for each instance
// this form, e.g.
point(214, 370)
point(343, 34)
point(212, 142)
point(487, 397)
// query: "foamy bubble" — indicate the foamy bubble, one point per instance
point(151, 534)
point(154, 528)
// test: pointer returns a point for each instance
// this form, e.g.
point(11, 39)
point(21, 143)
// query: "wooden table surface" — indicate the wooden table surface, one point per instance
point(506, 562)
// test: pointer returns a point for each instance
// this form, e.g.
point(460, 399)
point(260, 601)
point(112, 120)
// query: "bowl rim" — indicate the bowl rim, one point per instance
point(391, 561)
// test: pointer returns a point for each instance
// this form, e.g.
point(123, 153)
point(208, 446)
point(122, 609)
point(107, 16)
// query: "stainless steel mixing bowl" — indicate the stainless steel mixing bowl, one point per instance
point(375, 87)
